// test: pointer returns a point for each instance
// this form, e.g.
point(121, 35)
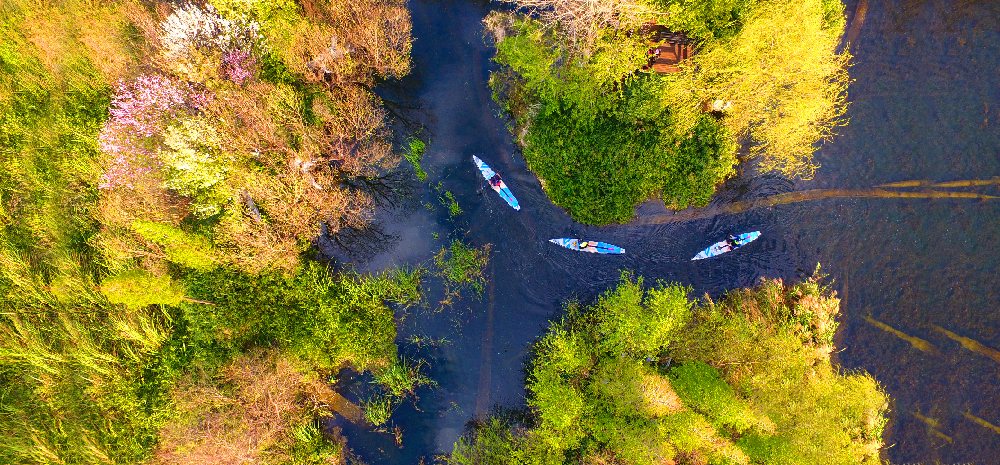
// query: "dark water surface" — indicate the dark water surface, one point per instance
point(925, 105)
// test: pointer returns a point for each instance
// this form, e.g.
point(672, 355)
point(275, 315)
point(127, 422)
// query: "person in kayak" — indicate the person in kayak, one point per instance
point(733, 242)
point(584, 244)
point(495, 180)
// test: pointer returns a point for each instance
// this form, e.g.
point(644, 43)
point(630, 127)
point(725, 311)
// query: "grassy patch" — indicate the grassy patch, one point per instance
point(379, 408)
point(462, 266)
point(414, 153)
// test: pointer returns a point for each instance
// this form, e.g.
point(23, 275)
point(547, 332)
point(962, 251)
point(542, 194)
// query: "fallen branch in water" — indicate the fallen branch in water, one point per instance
point(802, 196)
point(970, 183)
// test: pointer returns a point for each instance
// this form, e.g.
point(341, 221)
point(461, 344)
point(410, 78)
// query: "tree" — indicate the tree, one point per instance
point(646, 376)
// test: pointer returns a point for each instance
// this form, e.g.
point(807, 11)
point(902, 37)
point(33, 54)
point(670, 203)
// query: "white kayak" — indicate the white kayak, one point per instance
point(495, 182)
point(592, 246)
point(720, 248)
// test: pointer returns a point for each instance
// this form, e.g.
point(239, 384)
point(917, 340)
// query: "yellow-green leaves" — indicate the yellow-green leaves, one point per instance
point(196, 165)
point(730, 383)
point(783, 77)
point(182, 248)
point(140, 288)
point(639, 322)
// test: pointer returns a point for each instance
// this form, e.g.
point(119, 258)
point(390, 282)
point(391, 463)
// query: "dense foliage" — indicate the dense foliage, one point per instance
point(602, 135)
point(251, 126)
point(163, 166)
point(646, 376)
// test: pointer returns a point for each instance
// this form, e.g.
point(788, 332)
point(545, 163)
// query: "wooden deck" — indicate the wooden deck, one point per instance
point(667, 50)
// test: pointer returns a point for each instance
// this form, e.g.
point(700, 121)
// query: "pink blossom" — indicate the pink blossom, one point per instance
point(138, 113)
point(237, 66)
point(142, 105)
point(199, 99)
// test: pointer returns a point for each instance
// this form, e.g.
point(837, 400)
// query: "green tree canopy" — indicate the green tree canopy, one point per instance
point(603, 135)
point(645, 375)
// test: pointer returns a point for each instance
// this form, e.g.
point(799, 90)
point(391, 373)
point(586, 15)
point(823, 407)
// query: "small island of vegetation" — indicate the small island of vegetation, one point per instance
point(647, 376)
point(604, 131)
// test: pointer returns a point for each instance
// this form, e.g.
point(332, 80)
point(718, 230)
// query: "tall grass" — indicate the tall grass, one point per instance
point(81, 379)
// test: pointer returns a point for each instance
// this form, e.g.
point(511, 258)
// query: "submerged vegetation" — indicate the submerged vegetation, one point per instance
point(603, 133)
point(647, 376)
point(166, 168)
point(414, 153)
point(462, 266)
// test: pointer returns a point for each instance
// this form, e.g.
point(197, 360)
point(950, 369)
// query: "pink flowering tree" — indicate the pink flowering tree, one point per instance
point(154, 126)
point(237, 66)
point(139, 112)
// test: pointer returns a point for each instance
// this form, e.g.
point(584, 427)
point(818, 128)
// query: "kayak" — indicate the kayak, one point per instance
point(592, 246)
point(496, 183)
point(720, 248)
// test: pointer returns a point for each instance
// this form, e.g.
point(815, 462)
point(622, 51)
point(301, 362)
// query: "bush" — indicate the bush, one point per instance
point(599, 169)
point(188, 250)
point(257, 409)
point(138, 288)
point(324, 319)
point(743, 381)
point(638, 321)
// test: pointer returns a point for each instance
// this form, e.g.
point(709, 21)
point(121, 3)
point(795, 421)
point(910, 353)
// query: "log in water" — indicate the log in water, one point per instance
point(801, 196)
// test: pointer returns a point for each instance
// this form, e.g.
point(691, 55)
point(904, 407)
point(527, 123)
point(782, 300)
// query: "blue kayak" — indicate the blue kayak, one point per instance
point(496, 183)
point(720, 248)
point(592, 246)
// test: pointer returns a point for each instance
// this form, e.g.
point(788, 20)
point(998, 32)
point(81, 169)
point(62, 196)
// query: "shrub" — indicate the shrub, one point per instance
point(489, 442)
point(733, 382)
point(139, 112)
point(139, 288)
point(195, 164)
point(257, 409)
point(238, 66)
point(189, 32)
point(182, 248)
point(323, 319)
point(600, 168)
point(639, 321)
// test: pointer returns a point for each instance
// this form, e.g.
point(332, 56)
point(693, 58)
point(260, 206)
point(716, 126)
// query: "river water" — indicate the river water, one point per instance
point(925, 104)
